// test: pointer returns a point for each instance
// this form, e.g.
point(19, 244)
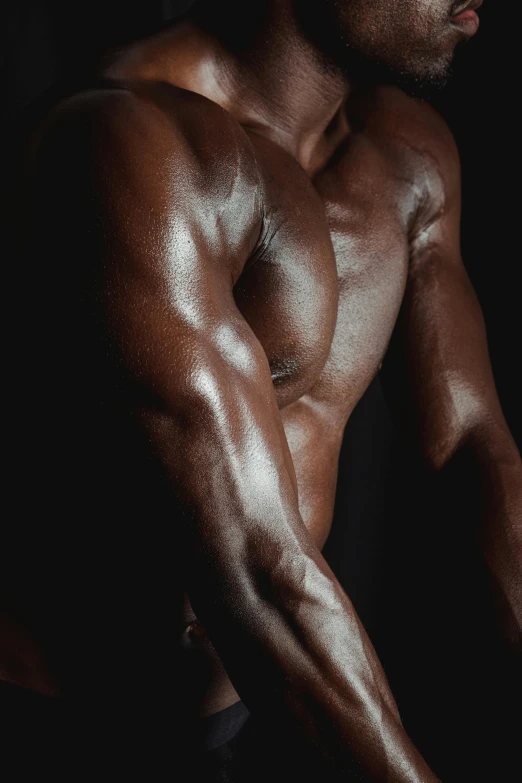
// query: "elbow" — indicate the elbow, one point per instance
point(459, 415)
point(440, 448)
point(470, 423)
point(437, 455)
point(486, 441)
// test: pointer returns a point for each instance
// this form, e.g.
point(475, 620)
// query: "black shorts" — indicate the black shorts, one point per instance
point(218, 745)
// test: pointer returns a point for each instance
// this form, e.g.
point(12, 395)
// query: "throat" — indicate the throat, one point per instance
point(313, 151)
point(318, 156)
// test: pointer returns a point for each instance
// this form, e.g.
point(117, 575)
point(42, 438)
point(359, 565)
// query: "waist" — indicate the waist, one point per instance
point(220, 728)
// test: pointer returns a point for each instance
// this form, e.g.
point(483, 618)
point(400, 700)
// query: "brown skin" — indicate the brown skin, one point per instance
point(412, 38)
point(259, 222)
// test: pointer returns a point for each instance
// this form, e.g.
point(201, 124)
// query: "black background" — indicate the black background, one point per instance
point(401, 544)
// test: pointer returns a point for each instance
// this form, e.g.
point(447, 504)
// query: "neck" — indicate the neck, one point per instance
point(259, 64)
point(267, 66)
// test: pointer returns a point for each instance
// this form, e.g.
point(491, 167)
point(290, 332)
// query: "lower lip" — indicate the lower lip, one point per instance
point(468, 22)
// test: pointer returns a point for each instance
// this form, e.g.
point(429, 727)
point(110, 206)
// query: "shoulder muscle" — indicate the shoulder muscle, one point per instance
point(420, 145)
point(161, 158)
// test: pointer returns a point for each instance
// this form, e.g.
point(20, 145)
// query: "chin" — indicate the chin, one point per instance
point(419, 77)
point(426, 76)
point(420, 74)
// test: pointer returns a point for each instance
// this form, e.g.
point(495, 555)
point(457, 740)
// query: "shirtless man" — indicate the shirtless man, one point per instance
point(235, 218)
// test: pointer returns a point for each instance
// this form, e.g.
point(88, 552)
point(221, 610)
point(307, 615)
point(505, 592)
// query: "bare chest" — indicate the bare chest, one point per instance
point(324, 287)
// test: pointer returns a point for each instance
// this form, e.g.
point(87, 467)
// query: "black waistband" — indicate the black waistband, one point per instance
point(218, 729)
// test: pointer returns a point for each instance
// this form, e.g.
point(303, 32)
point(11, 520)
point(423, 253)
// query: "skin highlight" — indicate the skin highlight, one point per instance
point(257, 223)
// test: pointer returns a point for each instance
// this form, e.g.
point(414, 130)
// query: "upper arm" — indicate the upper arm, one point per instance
point(440, 343)
point(169, 208)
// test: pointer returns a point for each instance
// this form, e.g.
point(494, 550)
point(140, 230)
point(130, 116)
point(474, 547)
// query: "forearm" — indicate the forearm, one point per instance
point(314, 666)
point(499, 470)
point(272, 606)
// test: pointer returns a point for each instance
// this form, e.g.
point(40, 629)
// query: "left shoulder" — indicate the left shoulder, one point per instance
point(414, 135)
